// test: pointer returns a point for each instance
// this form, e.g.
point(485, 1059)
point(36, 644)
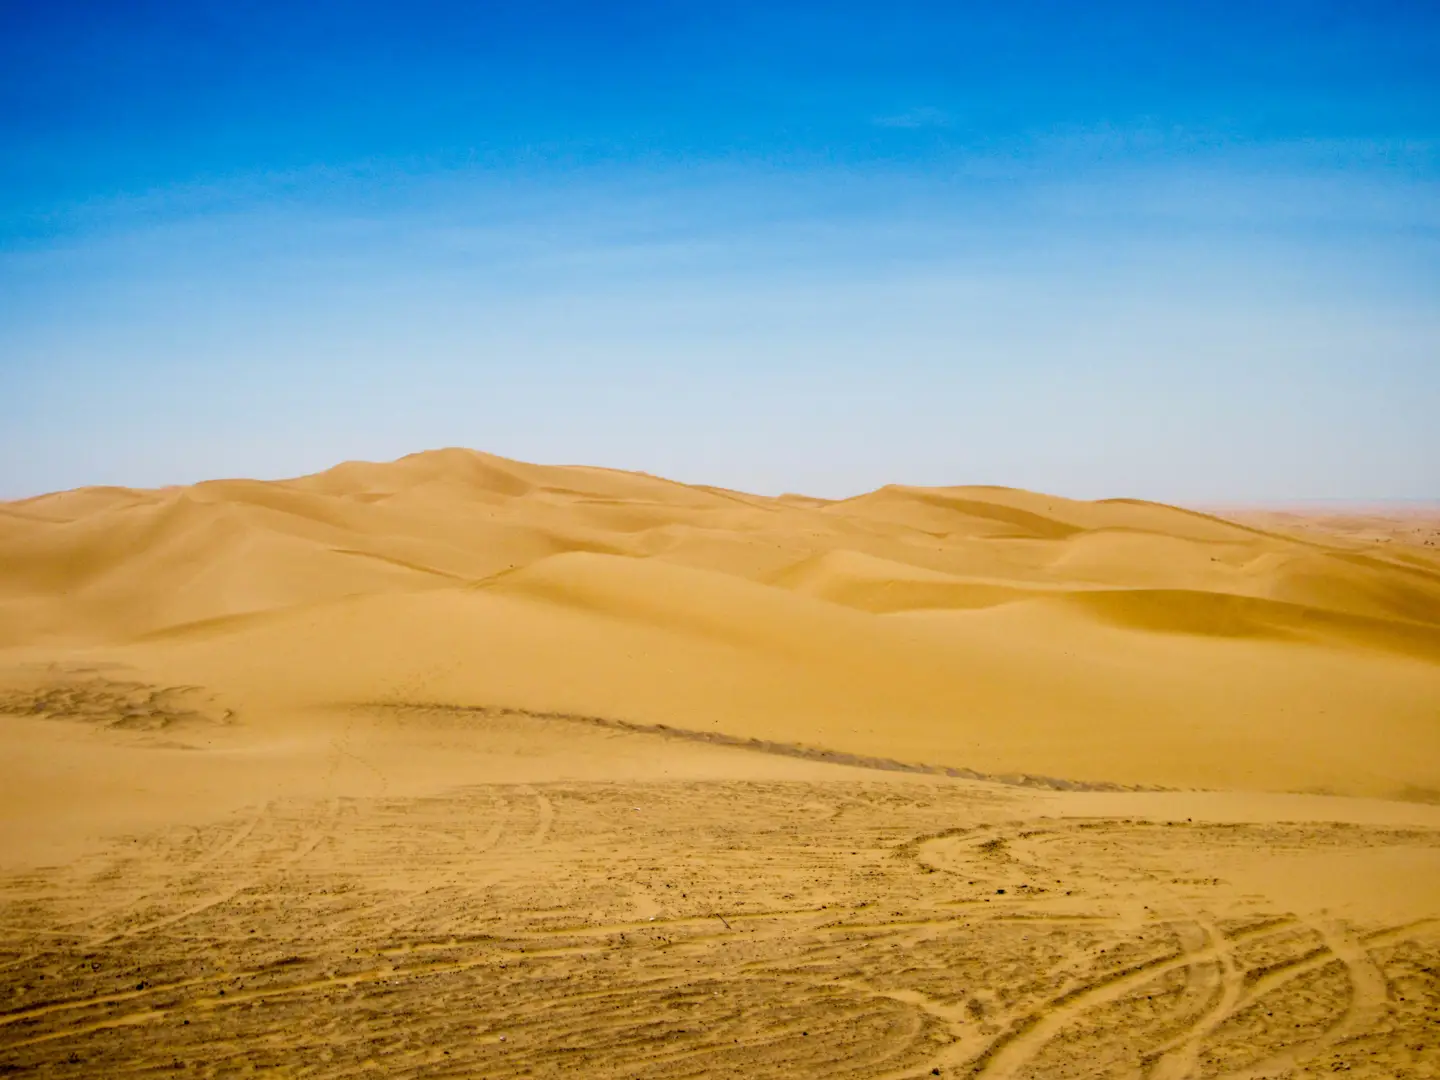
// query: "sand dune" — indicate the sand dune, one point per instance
point(987, 628)
point(462, 766)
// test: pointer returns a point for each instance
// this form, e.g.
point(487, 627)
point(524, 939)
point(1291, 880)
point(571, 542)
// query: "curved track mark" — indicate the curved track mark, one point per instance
point(1177, 1059)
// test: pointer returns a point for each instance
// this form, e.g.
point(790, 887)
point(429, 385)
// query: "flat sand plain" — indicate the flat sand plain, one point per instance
point(457, 766)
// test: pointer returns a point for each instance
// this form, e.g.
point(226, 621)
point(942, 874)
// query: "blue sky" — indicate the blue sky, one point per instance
point(1180, 252)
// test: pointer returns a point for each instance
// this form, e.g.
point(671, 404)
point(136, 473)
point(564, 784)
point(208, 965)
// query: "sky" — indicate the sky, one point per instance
point(1170, 251)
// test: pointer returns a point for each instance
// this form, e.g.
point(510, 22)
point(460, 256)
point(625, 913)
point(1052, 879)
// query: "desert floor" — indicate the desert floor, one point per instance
point(456, 766)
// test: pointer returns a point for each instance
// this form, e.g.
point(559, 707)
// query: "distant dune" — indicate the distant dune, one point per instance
point(983, 628)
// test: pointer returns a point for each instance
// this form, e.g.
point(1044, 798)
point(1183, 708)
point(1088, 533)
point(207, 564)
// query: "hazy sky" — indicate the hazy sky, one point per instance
point(1096, 249)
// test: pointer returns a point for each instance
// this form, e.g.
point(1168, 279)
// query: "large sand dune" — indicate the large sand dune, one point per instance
point(458, 766)
point(984, 628)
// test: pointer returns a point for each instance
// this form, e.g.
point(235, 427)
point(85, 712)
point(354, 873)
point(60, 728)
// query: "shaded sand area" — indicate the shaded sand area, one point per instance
point(457, 766)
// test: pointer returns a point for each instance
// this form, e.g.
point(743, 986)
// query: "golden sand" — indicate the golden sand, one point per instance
point(462, 766)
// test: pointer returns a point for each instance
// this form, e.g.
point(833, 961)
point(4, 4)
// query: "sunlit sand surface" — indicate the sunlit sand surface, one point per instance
point(457, 766)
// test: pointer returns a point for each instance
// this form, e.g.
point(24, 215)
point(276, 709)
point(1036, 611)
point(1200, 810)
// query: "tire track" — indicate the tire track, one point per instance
point(1177, 1059)
point(307, 846)
point(787, 941)
point(1367, 1003)
point(154, 892)
point(1014, 1049)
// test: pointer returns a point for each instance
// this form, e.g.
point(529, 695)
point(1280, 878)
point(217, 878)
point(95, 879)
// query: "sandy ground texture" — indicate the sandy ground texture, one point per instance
point(456, 766)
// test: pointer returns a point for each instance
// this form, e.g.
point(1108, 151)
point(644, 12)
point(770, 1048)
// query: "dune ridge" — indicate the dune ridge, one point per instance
point(1117, 641)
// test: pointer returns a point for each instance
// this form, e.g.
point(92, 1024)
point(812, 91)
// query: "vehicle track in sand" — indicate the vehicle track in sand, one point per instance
point(722, 928)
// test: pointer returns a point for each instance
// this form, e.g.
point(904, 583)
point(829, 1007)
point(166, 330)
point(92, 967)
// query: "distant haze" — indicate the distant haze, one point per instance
point(1096, 250)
